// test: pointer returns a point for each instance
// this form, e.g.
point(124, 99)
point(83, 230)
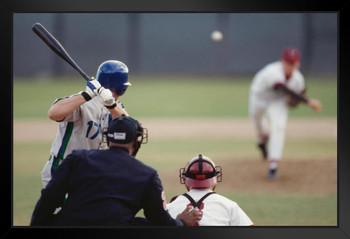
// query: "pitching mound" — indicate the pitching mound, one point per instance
point(299, 177)
point(306, 176)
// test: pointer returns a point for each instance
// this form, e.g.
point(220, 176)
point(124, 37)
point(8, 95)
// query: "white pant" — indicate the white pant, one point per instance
point(46, 171)
point(272, 114)
point(46, 175)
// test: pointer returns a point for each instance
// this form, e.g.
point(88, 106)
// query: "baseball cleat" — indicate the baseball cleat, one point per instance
point(272, 174)
point(262, 147)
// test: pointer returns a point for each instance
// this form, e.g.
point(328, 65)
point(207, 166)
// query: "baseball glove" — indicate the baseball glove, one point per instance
point(292, 102)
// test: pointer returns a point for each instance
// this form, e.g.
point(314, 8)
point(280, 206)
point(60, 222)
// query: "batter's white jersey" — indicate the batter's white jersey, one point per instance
point(264, 81)
point(217, 210)
point(84, 128)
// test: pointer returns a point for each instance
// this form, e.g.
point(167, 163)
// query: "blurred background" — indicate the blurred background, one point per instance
point(176, 43)
point(192, 94)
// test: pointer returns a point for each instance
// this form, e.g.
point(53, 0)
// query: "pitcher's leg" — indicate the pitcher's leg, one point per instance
point(260, 124)
point(278, 116)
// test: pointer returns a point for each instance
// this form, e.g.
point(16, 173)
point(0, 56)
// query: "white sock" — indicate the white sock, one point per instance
point(273, 164)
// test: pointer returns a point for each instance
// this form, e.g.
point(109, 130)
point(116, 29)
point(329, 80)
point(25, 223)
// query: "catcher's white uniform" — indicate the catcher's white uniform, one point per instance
point(217, 210)
point(84, 128)
point(264, 100)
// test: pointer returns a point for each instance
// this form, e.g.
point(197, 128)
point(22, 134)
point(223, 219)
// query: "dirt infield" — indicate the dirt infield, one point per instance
point(299, 177)
point(309, 176)
point(42, 130)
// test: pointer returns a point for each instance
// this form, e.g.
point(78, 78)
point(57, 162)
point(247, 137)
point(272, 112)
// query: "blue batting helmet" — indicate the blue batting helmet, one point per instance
point(113, 75)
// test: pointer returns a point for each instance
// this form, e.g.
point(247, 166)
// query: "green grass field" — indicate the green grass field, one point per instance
point(169, 97)
point(184, 97)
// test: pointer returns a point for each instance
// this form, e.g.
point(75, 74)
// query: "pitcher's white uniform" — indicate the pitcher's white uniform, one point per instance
point(264, 100)
point(84, 128)
point(217, 210)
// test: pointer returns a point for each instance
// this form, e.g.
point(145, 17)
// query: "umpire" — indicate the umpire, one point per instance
point(107, 187)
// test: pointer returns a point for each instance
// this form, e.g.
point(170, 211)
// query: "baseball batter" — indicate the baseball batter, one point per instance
point(200, 177)
point(274, 89)
point(84, 117)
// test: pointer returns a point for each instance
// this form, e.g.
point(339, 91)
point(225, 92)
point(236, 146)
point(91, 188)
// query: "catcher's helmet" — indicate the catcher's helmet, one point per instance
point(200, 172)
point(113, 75)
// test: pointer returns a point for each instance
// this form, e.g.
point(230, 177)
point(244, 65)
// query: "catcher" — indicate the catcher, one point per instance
point(200, 177)
point(275, 88)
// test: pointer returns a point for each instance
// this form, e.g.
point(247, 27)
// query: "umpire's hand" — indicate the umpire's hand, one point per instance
point(190, 216)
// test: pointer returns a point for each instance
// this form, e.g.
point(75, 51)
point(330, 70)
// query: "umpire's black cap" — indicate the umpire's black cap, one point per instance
point(123, 130)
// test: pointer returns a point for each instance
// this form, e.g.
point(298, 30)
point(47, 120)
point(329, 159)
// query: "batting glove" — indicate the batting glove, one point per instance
point(91, 89)
point(106, 97)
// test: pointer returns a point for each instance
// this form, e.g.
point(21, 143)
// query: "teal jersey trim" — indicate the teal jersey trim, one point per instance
point(64, 144)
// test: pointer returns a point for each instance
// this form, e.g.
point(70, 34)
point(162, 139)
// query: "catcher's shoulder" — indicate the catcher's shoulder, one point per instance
point(223, 200)
point(177, 198)
point(173, 198)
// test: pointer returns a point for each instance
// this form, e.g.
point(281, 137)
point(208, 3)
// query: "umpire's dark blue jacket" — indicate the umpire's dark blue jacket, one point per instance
point(105, 188)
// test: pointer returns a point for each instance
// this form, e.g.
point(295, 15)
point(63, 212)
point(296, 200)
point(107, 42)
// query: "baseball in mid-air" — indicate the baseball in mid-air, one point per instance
point(216, 36)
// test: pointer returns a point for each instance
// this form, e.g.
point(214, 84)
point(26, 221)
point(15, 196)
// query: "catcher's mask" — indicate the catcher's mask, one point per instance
point(200, 172)
point(124, 130)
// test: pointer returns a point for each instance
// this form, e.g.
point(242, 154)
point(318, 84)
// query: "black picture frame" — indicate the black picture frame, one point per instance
point(342, 8)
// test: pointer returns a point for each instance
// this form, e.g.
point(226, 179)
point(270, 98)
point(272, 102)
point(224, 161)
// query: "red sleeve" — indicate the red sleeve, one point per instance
point(277, 84)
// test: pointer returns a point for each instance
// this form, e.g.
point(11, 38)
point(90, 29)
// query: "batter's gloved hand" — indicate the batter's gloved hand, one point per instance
point(106, 97)
point(91, 89)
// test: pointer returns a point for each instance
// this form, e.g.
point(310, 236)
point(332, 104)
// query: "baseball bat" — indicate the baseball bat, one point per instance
point(56, 46)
